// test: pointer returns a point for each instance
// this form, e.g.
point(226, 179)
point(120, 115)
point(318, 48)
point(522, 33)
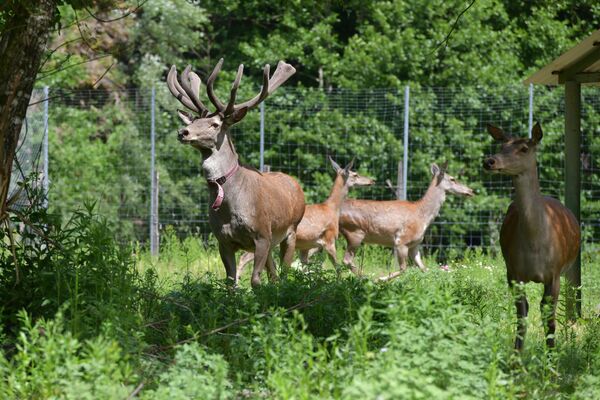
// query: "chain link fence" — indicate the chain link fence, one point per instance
point(119, 150)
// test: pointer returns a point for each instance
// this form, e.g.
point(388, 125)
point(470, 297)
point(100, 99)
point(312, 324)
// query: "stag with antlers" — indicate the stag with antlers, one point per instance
point(253, 211)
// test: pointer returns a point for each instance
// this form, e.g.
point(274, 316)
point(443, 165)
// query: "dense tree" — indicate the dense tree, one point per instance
point(340, 46)
point(25, 27)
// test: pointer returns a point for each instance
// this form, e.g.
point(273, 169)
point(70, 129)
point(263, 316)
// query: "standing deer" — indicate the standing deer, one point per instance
point(319, 226)
point(251, 210)
point(396, 223)
point(539, 236)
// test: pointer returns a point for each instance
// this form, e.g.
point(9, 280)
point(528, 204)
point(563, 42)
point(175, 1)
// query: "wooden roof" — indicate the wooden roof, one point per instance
point(581, 63)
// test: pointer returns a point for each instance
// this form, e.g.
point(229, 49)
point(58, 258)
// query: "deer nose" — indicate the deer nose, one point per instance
point(489, 162)
point(182, 133)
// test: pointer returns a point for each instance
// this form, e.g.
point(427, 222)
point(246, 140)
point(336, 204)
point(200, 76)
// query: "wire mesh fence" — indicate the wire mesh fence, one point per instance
point(101, 149)
point(30, 158)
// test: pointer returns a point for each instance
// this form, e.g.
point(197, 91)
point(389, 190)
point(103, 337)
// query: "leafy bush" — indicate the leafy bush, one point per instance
point(195, 374)
point(50, 362)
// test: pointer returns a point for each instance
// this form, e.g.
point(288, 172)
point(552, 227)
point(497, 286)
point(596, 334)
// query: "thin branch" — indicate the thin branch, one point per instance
point(104, 74)
point(136, 391)
point(57, 70)
point(81, 32)
point(302, 304)
point(40, 233)
point(128, 13)
point(58, 96)
point(54, 50)
point(13, 250)
point(445, 41)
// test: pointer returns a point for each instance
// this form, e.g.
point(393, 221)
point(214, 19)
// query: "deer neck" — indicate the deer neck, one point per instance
point(529, 200)
point(338, 193)
point(218, 161)
point(429, 205)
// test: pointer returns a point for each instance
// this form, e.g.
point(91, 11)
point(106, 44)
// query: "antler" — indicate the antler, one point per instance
point(188, 92)
point(282, 74)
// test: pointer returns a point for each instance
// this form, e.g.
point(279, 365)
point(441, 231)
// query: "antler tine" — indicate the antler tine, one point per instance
point(210, 90)
point(196, 83)
point(283, 72)
point(231, 104)
point(264, 92)
point(192, 94)
point(177, 91)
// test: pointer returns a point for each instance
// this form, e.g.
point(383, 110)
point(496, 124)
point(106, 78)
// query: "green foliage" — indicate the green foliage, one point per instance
point(51, 363)
point(154, 49)
point(315, 334)
point(194, 374)
point(100, 154)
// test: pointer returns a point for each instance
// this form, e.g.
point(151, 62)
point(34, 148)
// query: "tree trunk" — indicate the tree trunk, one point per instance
point(22, 46)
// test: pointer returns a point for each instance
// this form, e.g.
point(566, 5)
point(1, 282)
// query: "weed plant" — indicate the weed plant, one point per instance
point(90, 318)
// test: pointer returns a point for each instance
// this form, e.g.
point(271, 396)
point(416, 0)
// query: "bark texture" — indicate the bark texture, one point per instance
point(22, 46)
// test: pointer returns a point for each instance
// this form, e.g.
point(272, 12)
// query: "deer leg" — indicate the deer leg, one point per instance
point(401, 253)
point(271, 270)
point(522, 309)
point(286, 249)
point(550, 298)
point(245, 259)
point(331, 252)
point(415, 255)
point(304, 254)
point(261, 253)
point(228, 257)
point(312, 252)
point(354, 241)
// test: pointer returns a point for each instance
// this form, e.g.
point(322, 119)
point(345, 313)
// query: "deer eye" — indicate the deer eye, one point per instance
point(214, 125)
point(524, 149)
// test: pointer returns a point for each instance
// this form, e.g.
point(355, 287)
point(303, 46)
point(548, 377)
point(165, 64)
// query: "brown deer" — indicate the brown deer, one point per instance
point(539, 236)
point(319, 227)
point(396, 223)
point(251, 210)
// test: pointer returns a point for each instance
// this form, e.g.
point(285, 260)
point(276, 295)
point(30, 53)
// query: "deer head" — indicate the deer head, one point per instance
point(516, 155)
point(350, 177)
point(206, 131)
point(447, 182)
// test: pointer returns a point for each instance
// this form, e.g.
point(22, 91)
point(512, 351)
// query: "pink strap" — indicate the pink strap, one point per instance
point(220, 181)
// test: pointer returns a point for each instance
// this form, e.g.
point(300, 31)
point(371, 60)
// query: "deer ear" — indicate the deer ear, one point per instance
point(237, 116)
point(497, 133)
point(435, 169)
point(350, 164)
point(444, 167)
point(335, 165)
point(536, 133)
point(185, 117)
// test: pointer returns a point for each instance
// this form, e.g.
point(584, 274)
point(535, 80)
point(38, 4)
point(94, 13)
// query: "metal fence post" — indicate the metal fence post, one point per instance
point(45, 179)
point(262, 136)
point(405, 154)
point(530, 109)
point(154, 238)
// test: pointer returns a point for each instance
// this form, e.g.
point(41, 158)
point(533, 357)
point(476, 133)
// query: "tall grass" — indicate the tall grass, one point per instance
point(103, 321)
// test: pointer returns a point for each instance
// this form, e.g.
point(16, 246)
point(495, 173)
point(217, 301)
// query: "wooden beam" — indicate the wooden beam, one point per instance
point(569, 73)
point(587, 77)
point(573, 185)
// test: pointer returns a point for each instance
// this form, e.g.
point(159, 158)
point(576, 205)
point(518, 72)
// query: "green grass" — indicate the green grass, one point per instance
point(171, 328)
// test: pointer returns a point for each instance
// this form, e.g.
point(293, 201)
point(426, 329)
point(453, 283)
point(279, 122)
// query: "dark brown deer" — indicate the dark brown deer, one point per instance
point(396, 223)
point(319, 227)
point(251, 210)
point(539, 236)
